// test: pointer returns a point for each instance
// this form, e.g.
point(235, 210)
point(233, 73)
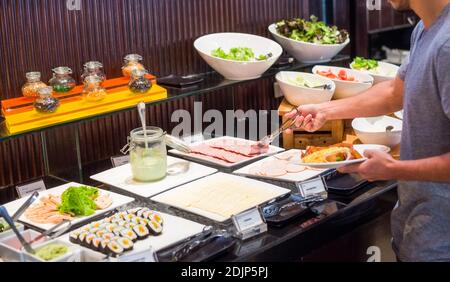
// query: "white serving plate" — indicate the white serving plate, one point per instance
point(272, 150)
point(176, 229)
point(361, 148)
point(209, 181)
point(122, 178)
point(118, 200)
point(290, 177)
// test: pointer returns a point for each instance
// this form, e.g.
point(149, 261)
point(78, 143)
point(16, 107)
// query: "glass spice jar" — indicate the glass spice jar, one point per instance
point(62, 81)
point(93, 68)
point(139, 84)
point(93, 90)
point(132, 62)
point(34, 83)
point(46, 103)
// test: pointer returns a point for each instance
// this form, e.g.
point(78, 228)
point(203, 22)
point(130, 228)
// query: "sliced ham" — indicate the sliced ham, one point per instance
point(293, 168)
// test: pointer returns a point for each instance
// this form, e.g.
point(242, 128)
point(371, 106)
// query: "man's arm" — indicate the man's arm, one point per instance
point(383, 98)
point(381, 166)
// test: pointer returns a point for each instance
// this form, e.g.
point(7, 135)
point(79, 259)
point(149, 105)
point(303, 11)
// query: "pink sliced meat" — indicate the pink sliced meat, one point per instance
point(293, 168)
point(217, 153)
point(249, 149)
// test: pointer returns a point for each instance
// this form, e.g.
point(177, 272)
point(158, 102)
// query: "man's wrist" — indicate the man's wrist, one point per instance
point(397, 169)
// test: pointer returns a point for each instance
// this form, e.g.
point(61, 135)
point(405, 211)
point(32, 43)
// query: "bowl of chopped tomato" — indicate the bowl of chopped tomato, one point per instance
point(348, 82)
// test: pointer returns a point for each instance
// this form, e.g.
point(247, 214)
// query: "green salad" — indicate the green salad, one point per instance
point(243, 54)
point(312, 31)
point(364, 64)
point(79, 201)
point(301, 81)
point(4, 226)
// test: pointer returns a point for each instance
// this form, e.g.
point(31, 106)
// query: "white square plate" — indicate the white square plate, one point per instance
point(121, 178)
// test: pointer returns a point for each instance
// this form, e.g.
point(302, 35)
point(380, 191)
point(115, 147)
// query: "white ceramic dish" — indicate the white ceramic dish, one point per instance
point(334, 165)
point(345, 89)
point(122, 178)
point(235, 70)
point(73, 254)
point(300, 95)
point(118, 200)
point(384, 72)
point(176, 229)
point(191, 192)
point(373, 130)
point(361, 148)
point(289, 177)
point(308, 52)
point(272, 150)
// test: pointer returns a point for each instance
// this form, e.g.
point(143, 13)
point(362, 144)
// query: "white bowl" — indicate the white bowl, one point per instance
point(373, 130)
point(345, 89)
point(308, 52)
point(298, 95)
point(384, 72)
point(235, 70)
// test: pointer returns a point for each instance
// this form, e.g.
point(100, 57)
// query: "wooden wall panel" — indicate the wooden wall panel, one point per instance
point(42, 34)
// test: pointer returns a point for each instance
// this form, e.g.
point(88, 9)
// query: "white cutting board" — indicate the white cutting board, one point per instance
point(176, 229)
point(272, 150)
point(122, 178)
point(291, 177)
point(118, 200)
point(192, 191)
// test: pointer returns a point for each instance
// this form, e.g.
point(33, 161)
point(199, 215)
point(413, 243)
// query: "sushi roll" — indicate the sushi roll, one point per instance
point(137, 220)
point(94, 230)
point(155, 228)
point(129, 233)
point(104, 246)
point(144, 221)
point(100, 233)
point(130, 225)
point(95, 224)
point(96, 243)
point(82, 237)
point(88, 240)
point(73, 237)
point(126, 244)
point(147, 214)
point(123, 215)
point(110, 227)
point(116, 231)
point(108, 236)
point(115, 249)
point(134, 211)
point(156, 217)
point(141, 231)
point(142, 211)
point(130, 217)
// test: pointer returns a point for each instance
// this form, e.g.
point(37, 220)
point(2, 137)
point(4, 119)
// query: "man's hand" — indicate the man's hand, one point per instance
point(310, 117)
point(379, 166)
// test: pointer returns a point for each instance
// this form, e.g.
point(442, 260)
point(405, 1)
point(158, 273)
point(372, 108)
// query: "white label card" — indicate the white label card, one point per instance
point(250, 222)
point(312, 187)
point(28, 189)
point(147, 255)
point(119, 161)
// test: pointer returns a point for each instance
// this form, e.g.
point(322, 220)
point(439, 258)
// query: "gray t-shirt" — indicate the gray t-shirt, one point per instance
point(421, 222)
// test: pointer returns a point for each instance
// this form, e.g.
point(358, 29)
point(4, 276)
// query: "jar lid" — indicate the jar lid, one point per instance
point(153, 134)
point(62, 70)
point(133, 57)
point(93, 65)
point(45, 91)
point(34, 75)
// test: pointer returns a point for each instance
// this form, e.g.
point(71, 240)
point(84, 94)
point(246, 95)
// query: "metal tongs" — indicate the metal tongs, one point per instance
point(178, 144)
point(274, 135)
point(4, 213)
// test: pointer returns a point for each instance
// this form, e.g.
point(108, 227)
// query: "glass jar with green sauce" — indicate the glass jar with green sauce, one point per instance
point(148, 154)
point(62, 81)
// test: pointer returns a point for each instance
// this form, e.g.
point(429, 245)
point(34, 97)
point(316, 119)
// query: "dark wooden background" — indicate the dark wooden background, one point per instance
point(42, 34)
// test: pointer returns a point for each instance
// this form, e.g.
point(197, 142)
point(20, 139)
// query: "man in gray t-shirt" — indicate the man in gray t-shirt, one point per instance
point(421, 221)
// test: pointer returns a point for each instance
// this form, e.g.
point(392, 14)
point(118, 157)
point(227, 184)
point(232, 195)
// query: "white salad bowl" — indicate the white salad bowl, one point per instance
point(345, 89)
point(373, 130)
point(302, 95)
point(237, 70)
point(384, 72)
point(307, 52)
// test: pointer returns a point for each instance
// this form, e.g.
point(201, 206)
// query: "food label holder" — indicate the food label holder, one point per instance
point(146, 255)
point(120, 160)
point(249, 224)
point(29, 189)
point(313, 190)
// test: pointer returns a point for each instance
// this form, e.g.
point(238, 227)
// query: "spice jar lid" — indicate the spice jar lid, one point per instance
point(45, 91)
point(93, 65)
point(153, 133)
point(33, 75)
point(134, 57)
point(62, 70)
